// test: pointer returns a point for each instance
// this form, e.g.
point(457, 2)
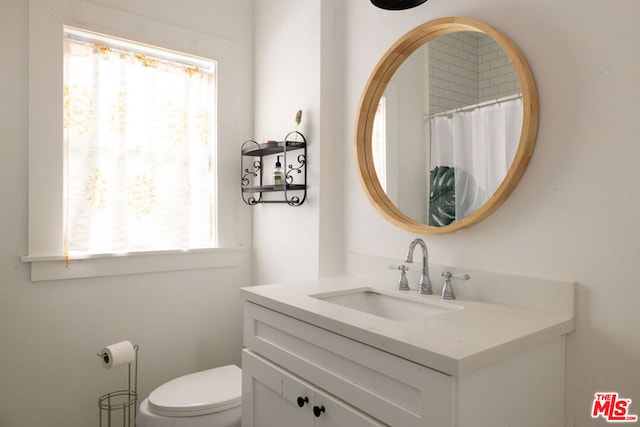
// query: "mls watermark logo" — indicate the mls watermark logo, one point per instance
point(612, 408)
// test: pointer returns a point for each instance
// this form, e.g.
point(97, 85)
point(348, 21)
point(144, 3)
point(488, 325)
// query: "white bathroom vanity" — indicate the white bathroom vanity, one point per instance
point(351, 352)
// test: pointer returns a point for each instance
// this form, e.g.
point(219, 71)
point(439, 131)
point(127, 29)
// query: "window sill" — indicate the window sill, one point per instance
point(55, 267)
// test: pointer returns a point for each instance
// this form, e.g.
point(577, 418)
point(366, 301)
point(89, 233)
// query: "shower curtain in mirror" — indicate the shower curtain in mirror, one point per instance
point(480, 146)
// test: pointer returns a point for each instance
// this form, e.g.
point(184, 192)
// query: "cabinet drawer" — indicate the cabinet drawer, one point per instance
point(391, 389)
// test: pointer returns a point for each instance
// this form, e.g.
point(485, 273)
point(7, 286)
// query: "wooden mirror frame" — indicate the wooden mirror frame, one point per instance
point(376, 85)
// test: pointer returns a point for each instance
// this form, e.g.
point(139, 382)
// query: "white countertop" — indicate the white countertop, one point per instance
point(457, 342)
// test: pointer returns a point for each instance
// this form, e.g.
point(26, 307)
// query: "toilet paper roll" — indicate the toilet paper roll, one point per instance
point(117, 354)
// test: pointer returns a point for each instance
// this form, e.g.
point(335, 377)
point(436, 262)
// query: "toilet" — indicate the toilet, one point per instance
point(210, 398)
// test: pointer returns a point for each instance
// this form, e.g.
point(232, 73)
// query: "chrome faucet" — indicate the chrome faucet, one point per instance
point(424, 287)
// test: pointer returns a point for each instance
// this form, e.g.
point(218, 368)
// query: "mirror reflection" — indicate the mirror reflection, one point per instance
point(447, 128)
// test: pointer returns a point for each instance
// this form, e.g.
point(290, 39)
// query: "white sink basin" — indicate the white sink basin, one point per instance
point(389, 305)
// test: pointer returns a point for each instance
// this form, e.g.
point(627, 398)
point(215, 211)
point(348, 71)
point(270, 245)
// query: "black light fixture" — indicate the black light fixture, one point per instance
point(397, 4)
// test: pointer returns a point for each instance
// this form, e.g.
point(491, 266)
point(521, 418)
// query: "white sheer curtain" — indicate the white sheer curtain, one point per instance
point(138, 151)
point(480, 145)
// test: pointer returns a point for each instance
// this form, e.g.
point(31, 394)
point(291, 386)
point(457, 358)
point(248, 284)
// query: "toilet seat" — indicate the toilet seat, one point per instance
point(200, 393)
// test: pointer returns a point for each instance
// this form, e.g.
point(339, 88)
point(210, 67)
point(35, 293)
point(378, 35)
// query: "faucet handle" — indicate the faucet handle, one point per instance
point(460, 276)
point(447, 289)
point(403, 283)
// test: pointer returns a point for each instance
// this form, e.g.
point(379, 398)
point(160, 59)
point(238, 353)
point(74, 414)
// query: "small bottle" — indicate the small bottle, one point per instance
point(277, 174)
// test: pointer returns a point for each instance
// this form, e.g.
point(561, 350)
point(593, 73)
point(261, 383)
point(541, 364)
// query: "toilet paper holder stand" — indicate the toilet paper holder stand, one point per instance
point(121, 400)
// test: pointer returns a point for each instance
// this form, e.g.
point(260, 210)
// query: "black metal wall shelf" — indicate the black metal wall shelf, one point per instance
point(254, 183)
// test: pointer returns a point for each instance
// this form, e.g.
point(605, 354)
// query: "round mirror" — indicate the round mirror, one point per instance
point(446, 125)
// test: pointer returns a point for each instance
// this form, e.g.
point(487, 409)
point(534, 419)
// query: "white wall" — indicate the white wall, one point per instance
point(573, 215)
point(296, 58)
point(50, 332)
point(407, 162)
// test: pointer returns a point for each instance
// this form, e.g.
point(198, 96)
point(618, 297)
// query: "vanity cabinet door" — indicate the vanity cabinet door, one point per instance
point(263, 404)
point(338, 414)
point(327, 410)
point(271, 410)
point(272, 397)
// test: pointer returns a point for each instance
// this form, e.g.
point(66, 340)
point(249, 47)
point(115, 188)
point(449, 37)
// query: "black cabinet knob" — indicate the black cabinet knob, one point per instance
point(318, 410)
point(302, 401)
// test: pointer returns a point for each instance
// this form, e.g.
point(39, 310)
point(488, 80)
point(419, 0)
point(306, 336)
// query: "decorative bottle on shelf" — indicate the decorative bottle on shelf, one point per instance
point(277, 174)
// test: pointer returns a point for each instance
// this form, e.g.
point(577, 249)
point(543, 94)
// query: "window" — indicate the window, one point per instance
point(379, 142)
point(139, 136)
point(52, 253)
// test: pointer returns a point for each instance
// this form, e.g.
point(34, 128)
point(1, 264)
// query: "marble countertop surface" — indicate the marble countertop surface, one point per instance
point(457, 342)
